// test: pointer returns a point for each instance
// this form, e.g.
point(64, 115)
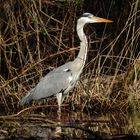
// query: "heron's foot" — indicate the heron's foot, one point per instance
point(57, 134)
point(58, 130)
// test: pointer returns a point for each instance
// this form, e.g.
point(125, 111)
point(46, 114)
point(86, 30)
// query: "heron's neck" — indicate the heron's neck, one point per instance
point(80, 60)
point(80, 32)
point(83, 51)
point(83, 44)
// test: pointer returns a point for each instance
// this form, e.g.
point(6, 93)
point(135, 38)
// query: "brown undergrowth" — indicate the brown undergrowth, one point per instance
point(37, 36)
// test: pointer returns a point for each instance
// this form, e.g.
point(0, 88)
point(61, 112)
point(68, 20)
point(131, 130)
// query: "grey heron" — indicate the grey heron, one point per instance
point(62, 79)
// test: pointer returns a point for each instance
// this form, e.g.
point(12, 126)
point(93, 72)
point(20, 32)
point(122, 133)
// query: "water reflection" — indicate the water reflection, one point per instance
point(81, 125)
point(78, 125)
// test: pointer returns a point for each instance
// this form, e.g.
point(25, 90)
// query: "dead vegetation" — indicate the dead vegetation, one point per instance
point(37, 36)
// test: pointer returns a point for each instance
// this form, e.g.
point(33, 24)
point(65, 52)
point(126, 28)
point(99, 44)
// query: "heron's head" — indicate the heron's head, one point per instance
point(89, 18)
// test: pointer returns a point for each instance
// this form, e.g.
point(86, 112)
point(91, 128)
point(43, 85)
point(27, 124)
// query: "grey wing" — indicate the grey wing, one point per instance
point(59, 80)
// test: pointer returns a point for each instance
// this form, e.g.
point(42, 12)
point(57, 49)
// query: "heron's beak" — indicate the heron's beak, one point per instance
point(97, 19)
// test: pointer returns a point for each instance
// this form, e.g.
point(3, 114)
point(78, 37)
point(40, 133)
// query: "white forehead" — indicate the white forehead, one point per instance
point(84, 20)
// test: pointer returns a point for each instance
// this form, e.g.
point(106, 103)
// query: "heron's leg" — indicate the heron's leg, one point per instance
point(59, 99)
point(63, 97)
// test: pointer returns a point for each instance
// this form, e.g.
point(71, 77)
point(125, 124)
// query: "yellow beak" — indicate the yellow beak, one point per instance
point(98, 19)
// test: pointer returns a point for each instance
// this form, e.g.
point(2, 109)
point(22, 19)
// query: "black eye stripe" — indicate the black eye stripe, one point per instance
point(87, 15)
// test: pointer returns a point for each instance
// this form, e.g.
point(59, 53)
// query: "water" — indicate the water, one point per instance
point(77, 126)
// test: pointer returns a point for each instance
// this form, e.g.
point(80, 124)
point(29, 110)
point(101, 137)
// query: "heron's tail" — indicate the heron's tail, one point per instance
point(28, 98)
